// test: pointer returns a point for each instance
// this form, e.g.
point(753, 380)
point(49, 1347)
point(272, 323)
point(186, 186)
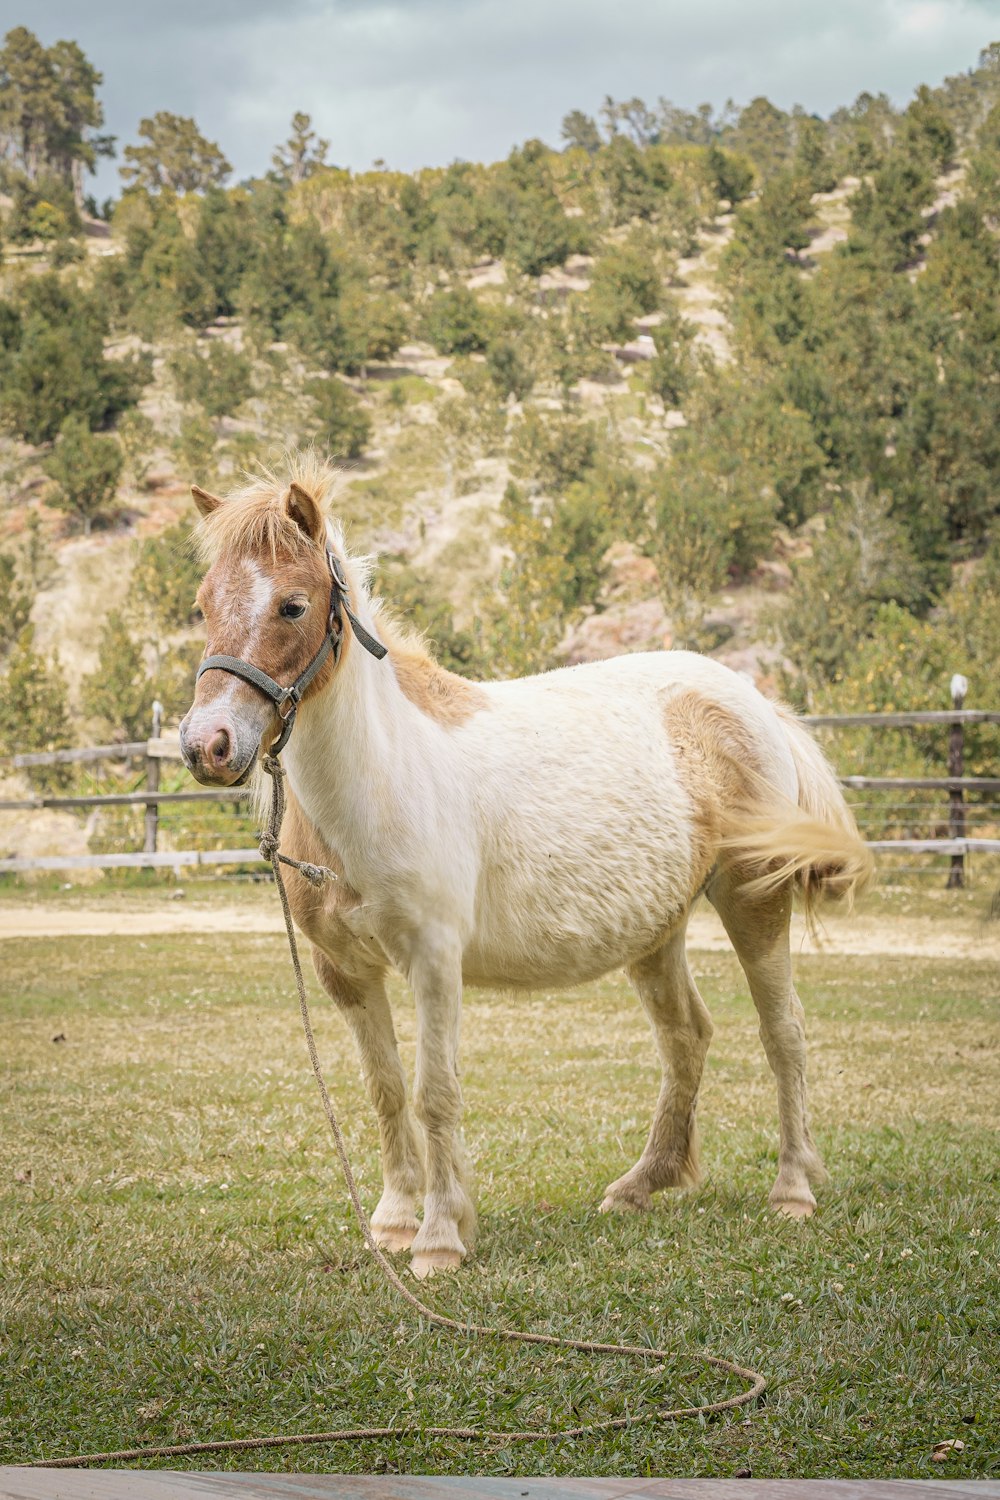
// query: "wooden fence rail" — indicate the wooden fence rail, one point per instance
point(905, 720)
point(161, 747)
point(165, 860)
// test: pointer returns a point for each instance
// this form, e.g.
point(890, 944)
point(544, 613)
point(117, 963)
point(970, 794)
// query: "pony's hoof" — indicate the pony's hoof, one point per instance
point(429, 1262)
point(629, 1200)
point(794, 1208)
point(394, 1237)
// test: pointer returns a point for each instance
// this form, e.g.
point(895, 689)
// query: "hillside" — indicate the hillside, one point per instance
point(732, 385)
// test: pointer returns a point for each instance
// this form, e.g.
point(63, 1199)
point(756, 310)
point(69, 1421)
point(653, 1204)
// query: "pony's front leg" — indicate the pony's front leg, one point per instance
point(449, 1217)
point(365, 1007)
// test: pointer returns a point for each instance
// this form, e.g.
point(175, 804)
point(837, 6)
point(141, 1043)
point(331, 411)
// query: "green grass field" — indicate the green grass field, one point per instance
point(178, 1258)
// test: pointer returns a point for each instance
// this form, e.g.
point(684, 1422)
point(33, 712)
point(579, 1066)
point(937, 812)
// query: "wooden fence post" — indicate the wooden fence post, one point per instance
point(153, 783)
point(956, 767)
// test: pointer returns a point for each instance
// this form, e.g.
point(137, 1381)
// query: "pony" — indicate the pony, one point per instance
point(532, 833)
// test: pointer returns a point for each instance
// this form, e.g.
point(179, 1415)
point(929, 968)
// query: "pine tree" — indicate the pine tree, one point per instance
point(175, 158)
point(302, 154)
point(85, 468)
point(119, 692)
point(34, 710)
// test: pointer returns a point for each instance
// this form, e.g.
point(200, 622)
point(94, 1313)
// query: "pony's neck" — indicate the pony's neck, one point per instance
point(356, 754)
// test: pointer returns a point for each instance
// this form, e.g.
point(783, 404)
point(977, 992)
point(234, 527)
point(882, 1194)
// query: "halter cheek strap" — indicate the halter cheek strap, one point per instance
point(287, 699)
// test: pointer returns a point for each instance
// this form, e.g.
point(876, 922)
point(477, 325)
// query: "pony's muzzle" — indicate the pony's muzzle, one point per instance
point(212, 752)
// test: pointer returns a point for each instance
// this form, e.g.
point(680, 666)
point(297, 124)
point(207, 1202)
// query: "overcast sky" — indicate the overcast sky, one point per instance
point(422, 82)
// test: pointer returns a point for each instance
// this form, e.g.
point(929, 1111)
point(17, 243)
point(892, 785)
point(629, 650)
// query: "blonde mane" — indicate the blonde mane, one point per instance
point(252, 522)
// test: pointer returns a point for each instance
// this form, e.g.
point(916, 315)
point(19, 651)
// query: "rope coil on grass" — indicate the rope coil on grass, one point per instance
point(757, 1382)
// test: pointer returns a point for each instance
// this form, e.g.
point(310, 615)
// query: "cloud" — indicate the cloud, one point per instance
point(419, 82)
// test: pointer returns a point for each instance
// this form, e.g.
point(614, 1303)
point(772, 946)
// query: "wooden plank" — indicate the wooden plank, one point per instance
point(162, 1484)
point(124, 751)
point(161, 861)
point(127, 799)
point(164, 747)
point(924, 783)
point(935, 846)
point(902, 720)
point(178, 857)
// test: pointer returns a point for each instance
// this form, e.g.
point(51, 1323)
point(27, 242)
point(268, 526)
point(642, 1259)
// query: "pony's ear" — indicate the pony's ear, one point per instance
point(301, 508)
point(205, 502)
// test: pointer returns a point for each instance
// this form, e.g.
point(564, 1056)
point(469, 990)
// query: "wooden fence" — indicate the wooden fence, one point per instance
point(158, 748)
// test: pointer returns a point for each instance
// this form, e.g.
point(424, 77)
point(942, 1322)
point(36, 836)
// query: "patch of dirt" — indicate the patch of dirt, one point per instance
point(862, 934)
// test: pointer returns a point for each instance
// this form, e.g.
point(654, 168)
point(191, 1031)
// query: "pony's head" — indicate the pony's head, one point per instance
point(266, 601)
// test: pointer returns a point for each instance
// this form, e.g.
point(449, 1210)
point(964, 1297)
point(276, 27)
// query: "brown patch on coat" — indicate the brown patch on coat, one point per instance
point(442, 695)
point(750, 828)
point(717, 763)
point(315, 908)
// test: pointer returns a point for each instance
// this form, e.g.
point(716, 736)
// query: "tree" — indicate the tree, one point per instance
point(636, 182)
point(552, 450)
point(34, 712)
point(925, 129)
point(639, 121)
point(137, 437)
point(862, 560)
point(511, 367)
point(521, 216)
point(626, 284)
point(176, 157)
point(15, 602)
point(302, 154)
point(342, 424)
point(52, 360)
point(764, 133)
point(456, 322)
point(731, 175)
point(813, 160)
point(165, 579)
point(216, 378)
point(531, 621)
point(118, 691)
point(49, 111)
point(672, 372)
point(85, 468)
point(580, 131)
point(886, 212)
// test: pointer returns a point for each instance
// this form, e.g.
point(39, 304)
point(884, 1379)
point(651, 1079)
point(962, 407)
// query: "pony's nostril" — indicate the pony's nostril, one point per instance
point(218, 748)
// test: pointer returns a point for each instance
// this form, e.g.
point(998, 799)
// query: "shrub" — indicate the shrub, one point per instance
point(119, 691)
point(52, 361)
point(15, 602)
point(165, 579)
point(343, 427)
point(455, 322)
point(137, 436)
point(85, 468)
point(217, 379)
point(34, 710)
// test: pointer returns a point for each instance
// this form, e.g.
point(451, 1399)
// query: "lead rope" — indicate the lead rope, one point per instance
point(316, 874)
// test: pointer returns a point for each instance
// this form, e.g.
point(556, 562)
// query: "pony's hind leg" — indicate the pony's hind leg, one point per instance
point(365, 1008)
point(683, 1029)
point(758, 929)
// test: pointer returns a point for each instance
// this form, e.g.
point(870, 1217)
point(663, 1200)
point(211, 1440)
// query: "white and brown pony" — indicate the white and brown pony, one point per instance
point(525, 834)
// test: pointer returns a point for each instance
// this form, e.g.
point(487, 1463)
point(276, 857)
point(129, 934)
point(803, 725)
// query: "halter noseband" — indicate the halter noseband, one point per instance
point(287, 699)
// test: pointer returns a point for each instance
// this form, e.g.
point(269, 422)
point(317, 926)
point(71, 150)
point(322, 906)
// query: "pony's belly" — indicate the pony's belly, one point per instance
point(560, 958)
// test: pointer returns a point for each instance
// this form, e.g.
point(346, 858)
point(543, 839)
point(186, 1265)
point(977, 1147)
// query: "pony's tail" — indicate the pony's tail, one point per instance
point(815, 843)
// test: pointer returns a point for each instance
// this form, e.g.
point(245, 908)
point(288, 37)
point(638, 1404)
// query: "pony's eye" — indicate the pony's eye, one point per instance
point(292, 609)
